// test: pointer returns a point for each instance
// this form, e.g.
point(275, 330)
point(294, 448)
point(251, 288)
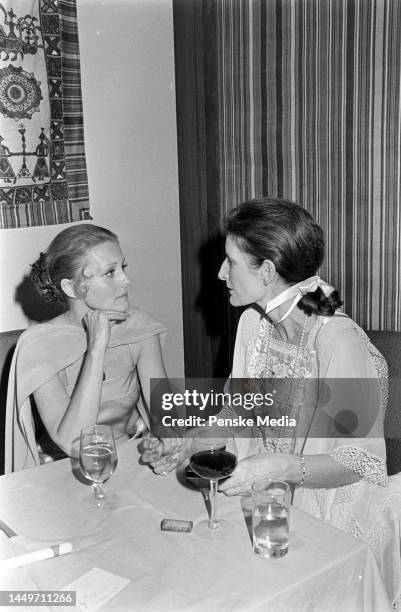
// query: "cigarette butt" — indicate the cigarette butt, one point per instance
point(36, 555)
point(176, 525)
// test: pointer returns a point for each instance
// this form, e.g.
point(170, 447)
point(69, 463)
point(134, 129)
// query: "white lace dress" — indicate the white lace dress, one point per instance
point(336, 348)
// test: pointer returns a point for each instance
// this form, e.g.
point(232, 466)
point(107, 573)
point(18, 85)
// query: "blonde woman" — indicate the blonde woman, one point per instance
point(92, 363)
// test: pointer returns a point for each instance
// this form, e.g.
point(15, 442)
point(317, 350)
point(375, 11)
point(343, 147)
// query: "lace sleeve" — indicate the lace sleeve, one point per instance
point(227, 411)
point(368, 466)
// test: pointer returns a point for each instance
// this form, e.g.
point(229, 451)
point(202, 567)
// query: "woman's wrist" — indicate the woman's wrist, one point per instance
point(295, 470)
point(97, 346)
point(303, 471)
point(279, 466)
point(95, 356)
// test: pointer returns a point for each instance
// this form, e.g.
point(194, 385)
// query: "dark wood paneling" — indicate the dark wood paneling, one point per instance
point(207, 316)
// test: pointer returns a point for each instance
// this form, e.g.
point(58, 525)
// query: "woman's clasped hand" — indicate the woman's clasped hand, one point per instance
point(163, 454)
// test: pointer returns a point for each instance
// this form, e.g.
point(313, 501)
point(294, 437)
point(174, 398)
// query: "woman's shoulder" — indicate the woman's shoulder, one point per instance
point(140, 317)
point(49, 347)
point(51, 331)
point(338, 324)
point(342, 336)
point(139, 326)
point(249, 323)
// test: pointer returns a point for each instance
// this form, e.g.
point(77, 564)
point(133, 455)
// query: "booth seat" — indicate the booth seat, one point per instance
point(8, 340)
point(389, 344)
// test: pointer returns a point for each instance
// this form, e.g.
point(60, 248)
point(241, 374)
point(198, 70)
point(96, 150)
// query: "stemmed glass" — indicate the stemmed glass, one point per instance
point(98, 460)
point(213, 457)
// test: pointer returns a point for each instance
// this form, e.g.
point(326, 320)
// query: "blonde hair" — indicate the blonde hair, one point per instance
point(65, 258)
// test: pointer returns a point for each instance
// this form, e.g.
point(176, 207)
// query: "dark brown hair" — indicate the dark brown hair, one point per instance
point(287, 235)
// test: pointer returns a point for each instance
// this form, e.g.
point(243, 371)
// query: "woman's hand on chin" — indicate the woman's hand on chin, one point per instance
point(254, 468)
point(98, 323)
point(97, 327)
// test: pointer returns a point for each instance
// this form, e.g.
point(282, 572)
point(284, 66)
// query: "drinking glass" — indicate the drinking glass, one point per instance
point(98, 460)
point(213, 457)
point(270, 517)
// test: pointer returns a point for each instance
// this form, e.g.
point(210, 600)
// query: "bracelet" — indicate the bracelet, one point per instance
point(303, 471)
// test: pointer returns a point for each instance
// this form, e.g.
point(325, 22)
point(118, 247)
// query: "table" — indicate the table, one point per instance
point(324, 570)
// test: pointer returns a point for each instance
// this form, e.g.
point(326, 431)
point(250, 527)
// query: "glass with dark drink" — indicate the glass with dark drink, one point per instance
point(213, 458)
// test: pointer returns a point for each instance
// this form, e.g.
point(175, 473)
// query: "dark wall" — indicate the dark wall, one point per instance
point(209, 321)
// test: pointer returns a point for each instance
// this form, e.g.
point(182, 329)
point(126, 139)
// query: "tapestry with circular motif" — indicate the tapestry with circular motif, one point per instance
point(20, 93)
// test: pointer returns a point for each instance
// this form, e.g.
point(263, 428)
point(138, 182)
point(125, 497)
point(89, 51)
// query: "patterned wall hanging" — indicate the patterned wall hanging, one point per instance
point(43, 178)
point(310, 109)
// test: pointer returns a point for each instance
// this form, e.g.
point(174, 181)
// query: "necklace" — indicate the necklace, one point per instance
point(285, 441)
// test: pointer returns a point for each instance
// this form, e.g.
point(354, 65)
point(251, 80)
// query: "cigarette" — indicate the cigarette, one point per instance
point(36, 555)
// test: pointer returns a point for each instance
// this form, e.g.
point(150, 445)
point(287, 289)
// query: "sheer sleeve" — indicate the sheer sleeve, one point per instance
point(247, 332)
point(344, 352)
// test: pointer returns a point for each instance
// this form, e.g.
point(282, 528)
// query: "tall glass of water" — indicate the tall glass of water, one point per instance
point(98, 460)
point(270, 517)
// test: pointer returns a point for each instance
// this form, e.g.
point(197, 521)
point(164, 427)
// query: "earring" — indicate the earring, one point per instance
point(265, 282)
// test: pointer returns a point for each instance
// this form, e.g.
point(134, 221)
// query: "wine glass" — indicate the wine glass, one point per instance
point(213, 457)
point(98, 460)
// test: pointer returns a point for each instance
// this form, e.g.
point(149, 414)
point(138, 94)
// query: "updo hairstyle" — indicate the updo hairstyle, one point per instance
point(65, 258)
point(286, 234)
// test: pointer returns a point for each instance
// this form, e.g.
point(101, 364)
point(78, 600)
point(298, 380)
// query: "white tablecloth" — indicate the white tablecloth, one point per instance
point(324, 570)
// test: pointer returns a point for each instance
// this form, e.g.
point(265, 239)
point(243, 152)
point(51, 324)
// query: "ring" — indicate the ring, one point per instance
point(163, 473)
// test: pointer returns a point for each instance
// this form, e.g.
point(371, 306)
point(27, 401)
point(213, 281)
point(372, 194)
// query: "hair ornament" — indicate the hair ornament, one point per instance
point(42, 281)
point(310, 285)
point(38, 270)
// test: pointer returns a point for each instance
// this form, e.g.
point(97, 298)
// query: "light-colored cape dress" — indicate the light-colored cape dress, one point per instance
point(57, 349)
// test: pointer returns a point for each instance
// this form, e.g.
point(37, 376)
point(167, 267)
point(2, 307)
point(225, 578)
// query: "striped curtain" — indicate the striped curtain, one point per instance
point(43, 178)
point(309, 109)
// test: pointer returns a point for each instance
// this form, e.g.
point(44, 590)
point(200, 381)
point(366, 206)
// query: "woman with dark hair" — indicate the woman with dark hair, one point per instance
point(332, 381)
point(90, 364)
point(296, 333)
